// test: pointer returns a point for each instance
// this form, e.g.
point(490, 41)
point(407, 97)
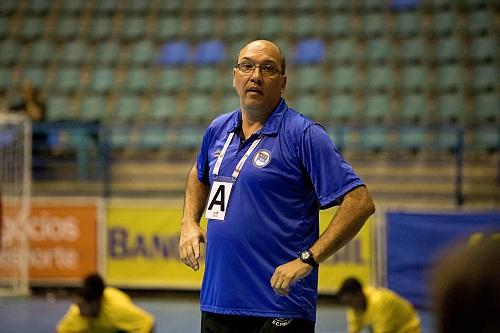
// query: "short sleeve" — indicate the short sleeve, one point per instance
point(202, 159)
point(331, 176)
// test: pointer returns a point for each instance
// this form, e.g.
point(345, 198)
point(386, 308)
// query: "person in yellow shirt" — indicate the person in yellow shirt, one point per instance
point(101, 309)
point(380, 309)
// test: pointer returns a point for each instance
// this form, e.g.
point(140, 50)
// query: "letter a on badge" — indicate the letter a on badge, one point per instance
point(218, 199)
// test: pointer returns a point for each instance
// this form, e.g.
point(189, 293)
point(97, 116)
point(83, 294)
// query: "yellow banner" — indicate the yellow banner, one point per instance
point(355, 259)
point(142, 251)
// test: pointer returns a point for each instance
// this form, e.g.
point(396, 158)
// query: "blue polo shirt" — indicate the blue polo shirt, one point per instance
point(272, 214)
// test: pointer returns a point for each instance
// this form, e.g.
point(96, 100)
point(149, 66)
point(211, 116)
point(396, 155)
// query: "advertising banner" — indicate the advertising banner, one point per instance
point(142, 251)
point(416, 240)
point(62, 239)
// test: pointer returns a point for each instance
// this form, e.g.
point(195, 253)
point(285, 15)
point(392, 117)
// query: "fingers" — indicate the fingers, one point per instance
point(280, 283)
point(287, 274)
point(189, 246)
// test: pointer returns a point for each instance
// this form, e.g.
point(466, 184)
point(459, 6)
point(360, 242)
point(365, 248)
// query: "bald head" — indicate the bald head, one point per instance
point(268, 46)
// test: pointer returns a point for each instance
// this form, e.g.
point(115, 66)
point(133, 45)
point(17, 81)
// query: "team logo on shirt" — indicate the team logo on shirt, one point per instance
point(261, 158)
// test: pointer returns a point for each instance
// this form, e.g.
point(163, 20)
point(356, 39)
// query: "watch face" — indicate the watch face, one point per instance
point(305, 255)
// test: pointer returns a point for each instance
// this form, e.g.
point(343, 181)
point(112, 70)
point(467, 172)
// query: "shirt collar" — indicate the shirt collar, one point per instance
point(272, 123)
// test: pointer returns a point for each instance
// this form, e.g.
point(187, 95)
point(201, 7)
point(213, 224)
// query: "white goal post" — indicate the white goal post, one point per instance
point(15, 198)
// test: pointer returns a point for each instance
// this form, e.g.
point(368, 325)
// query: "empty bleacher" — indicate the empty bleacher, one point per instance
point(386, 78)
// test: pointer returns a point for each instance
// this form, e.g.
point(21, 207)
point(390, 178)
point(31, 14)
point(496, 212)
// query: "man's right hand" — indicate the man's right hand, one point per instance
point(189, 244)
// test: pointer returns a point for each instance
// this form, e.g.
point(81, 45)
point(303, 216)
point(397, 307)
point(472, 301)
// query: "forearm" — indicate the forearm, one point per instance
point(195, 199)
point(355, 209)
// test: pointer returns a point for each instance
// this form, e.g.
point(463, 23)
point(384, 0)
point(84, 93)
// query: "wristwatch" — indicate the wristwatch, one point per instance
point(308, 258)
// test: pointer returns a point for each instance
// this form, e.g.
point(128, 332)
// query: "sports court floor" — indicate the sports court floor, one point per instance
point(39, 314)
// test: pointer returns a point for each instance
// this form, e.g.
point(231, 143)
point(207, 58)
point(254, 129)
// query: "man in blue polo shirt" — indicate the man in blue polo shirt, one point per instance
point(262, 174)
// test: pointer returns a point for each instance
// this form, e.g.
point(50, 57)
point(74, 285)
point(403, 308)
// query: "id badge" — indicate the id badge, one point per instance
point(219, 198)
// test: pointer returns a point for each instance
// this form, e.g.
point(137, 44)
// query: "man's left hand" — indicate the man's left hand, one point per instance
point(287, 274)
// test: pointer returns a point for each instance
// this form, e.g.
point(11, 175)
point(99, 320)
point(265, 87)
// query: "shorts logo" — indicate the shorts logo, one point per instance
point(261, 158)
point(281, 322)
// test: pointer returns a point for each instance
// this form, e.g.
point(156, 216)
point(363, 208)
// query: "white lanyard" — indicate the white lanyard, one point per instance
point(239, 166)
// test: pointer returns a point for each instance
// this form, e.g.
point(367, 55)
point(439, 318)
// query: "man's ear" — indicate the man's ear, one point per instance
point(283, 85)
point(234, 74)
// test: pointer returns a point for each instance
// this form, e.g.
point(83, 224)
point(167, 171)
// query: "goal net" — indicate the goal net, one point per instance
point(15, 193)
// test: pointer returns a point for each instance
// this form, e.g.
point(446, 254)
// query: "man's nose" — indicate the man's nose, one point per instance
point(256, 74)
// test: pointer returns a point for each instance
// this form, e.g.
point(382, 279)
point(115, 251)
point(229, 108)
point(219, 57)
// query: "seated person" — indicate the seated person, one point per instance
point(379, 309)
point(104, 309)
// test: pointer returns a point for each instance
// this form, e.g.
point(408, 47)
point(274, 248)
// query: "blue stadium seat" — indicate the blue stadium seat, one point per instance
point(378, 50)
point(412, 50)
point(93, 108)
point(205, 79)
point(185, 137)
point(374, 138)
point(309, 51)
point(449, 77)
point(142, 53)
point(236, 26)
point(66, 28)
point(377, 108)
point(152, 137)
point(373, 24)
point(107, 53)
point(342, 108)
point(32, 27)
point(137, 80)
point(487, 108)
point(209, 52)
point(484, 78)
point(443, 23)
point(163, 108)
point(308, 79)
point(487, 137)
point(447, 138)
point(5, 79)
point(450, 108)
point(448, 49)
point(343, 50)
point(378, 78)
point(197, 108)
point(168, 27)
point(102, 80)
point(338, 24)
point(126, 109)
point(4, 26)
point(134, 27)
point(414, 77)
point(483, 48)
point(309, 105)
point(202, 26)
point(40, 53)
point(58, 109)
point(101, 28)
point(413, 138)
point(413, 109)
point(230, 102)
point(67, 80)
point(407, 24)
point(169, 80)
point(175, 53)
point(73, 53)
point(344, 78)
point(480, 21)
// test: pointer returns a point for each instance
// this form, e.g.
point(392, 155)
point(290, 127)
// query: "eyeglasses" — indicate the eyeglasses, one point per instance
point(267, 69)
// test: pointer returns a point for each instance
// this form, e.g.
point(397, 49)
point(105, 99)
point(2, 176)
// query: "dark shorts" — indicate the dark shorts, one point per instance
point(219, 323)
